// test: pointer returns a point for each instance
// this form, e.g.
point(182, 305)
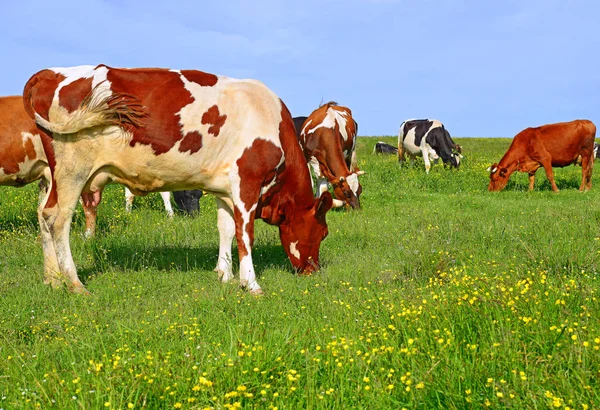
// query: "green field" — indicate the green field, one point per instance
point(437, 294)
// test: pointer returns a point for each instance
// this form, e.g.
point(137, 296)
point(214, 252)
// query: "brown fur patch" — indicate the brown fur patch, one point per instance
point(200, 77)
point(191, 142)
point(39, 92)
point(163, 94)
point(14, 152)
point(255, 165)
point(211, 116)
point(71, 95)
point(237, 216)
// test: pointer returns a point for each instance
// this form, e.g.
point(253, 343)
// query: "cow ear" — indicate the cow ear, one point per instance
point(323, 204)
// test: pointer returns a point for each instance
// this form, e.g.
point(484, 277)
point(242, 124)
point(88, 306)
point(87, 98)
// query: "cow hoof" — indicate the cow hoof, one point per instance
point(257, 292)
point(54, 280)
point(224, 276)
point(79, 290)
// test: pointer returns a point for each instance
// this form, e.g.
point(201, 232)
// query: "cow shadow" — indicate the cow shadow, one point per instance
point(176, 258)
point(542, 184)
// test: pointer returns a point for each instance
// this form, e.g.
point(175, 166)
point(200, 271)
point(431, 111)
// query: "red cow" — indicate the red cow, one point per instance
point(166, 130)
point(552, 145)
point(22, 156)
point(328, 138)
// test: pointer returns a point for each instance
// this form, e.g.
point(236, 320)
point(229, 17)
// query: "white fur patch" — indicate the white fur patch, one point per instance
point(293, 250)
point(353, 182)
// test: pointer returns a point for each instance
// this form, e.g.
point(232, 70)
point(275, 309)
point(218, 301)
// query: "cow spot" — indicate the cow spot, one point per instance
point(213, 117)
point(192, 142)
point(199, 77)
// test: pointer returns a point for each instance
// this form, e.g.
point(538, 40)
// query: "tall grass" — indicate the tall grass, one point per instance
point(437, 294)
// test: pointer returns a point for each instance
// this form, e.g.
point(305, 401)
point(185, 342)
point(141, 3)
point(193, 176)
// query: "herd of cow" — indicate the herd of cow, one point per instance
point(158, 130)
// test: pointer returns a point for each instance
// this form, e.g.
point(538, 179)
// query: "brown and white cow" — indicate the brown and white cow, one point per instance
point(22, 156)
point(166, 130)
point(23, 160)
point(552, 145)
point(328, 138)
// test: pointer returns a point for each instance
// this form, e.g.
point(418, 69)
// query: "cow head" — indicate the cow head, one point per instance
point(348, 189)
point(302, 231)
point(454, 160)
point(498, 177)
point(345, 188)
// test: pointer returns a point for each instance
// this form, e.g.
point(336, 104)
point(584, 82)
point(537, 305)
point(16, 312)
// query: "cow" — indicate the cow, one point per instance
point(551, 145)
point(328, 139)
point(23, 160)
point(383, 148)
point(158, 129)
point(596, 153)
point(22, 156)
point(430, 139)
point(188, 202)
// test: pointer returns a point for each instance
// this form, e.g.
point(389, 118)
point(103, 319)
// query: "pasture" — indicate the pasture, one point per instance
point(436, 294)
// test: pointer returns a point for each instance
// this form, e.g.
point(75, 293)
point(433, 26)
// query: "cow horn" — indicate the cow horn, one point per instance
point(342, 179)
point(360, 172)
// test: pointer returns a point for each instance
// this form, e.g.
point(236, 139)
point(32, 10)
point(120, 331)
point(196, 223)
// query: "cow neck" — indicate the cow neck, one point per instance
point(510, 159)
point(293, 189)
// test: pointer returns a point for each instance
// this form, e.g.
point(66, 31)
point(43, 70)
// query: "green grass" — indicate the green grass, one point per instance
point(437, 294)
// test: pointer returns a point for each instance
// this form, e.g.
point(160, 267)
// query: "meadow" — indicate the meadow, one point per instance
point(436, 294)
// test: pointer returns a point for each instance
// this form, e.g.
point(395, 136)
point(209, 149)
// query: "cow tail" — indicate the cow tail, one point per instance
point(98, 110)
point(401, 142)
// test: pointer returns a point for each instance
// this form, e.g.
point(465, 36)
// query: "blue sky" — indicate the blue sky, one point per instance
point(484, 68)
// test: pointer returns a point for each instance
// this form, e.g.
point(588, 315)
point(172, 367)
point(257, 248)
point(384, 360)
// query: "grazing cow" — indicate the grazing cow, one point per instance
point(167, 130)
point(22, 156)
point(552, 145)
point(188, 202)
point(430, 139)
point(383, 148)
point(23, 160)
point(328, 138)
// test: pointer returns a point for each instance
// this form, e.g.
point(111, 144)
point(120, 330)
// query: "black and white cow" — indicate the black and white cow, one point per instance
point(383, 148)
point(188, 202)
point(596, 153)
point(430, 139)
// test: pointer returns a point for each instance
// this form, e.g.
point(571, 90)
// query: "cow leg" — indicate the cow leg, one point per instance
point(587, 165)
point(128, 199)
point(52, 274)
point(401, 154)
point(547, 164)
point(57, 220)
point(244, 233)
point(531, 180)
point(166, 197)
point(426, 160)
point(226, 226)
point(353, 162)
